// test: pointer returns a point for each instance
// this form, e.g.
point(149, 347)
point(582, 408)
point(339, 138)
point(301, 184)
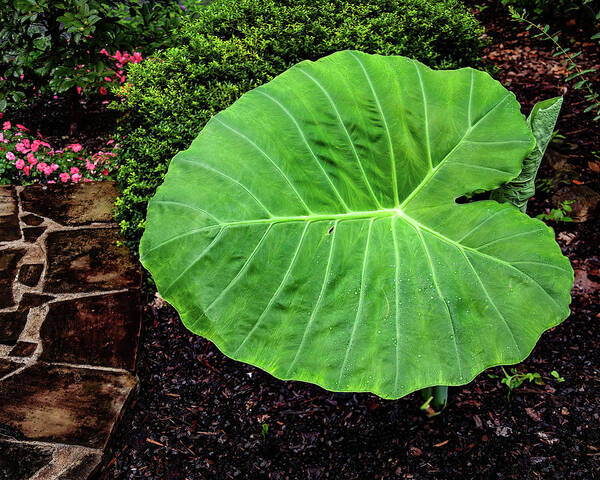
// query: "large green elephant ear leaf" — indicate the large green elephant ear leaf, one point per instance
point(312, 230)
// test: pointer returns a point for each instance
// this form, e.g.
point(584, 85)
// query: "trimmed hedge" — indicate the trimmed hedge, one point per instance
point(236, 45)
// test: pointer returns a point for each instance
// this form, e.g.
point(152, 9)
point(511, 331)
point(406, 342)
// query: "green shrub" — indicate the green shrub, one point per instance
point(236, 45)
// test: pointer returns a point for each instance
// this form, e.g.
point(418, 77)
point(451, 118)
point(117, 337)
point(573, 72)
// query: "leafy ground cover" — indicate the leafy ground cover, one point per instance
point(201, 415)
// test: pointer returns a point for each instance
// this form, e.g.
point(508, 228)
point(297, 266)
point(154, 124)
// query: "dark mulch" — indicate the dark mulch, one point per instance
point(52, 117)
point(200, 415)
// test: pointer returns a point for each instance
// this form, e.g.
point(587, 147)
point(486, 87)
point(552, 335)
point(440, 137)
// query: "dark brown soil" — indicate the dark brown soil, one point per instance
point(52, 118)
point(200, 415)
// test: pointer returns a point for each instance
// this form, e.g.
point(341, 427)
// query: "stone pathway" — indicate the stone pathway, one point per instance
point(69, 325)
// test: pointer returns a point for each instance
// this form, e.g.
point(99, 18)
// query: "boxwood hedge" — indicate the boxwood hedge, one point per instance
point(236, 45)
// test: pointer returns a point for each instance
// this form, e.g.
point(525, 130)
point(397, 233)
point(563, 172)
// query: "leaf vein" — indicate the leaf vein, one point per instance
point(339, 117)
point(387, 129)
point(257, 147)
point(303, 136)
point(277, 291)
point(318, 302)
point(219, 172)
point(360, 303)
point(242, 270)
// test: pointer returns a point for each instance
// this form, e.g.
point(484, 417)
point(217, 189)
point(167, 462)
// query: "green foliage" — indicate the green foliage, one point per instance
point(560, 214)
point(579, 77)
point(312, 228)
point(43, 43)
point(236, 45)
point(546, 9)
point(516, 379)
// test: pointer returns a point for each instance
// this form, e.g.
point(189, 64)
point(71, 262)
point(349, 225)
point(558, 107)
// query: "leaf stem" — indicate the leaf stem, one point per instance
point(437, 397)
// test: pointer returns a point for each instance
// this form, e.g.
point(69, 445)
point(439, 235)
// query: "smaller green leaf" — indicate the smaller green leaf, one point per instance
point(541, 121)
point(578, 74)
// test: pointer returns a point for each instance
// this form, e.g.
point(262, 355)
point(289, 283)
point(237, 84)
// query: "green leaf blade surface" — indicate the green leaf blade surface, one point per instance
point(311, 229)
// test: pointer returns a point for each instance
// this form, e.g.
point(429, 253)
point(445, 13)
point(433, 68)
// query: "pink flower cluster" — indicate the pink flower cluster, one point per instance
point(32, 160)
point(121, 59)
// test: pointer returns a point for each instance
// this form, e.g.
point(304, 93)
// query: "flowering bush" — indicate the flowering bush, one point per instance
point(26, 159)
point(51, 47)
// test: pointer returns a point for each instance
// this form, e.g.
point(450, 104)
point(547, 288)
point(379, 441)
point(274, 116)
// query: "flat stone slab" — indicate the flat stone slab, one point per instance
point(9, 215)
point(72, 204)
point(11, 325)
point(80, 468)
point(68, 348)
point(30, 273)
point(89, 259)
point(31, 234)
point(77, 331)
point(8, 270)
point(6, 367)
point(25, 461)
point(21, 461)
point(67, 405)
point(31, 219)
point(23, 349)
point(33, 300)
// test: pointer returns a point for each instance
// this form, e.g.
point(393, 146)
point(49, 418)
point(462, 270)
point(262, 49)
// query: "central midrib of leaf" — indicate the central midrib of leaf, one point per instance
point(335, 218)
point(353, 215)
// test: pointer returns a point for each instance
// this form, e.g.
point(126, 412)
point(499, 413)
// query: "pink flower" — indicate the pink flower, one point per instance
point(103, 51)
point(103, 91)
point(35, 145)
point(64, 177)
point(74, 170)
point(20, 147)
point(51, 181)
point(41, 166)
point(48, 170)
point(10, 156)
point(22, 128)
point(54, 166)
point(76, 177)
point(75, 147)
point(78, 90)
point(6, 126)
point(26, 170)
point(90, 166)
point(31, 159)
point(105, 172)
point(137, 57)
point(20, 163)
